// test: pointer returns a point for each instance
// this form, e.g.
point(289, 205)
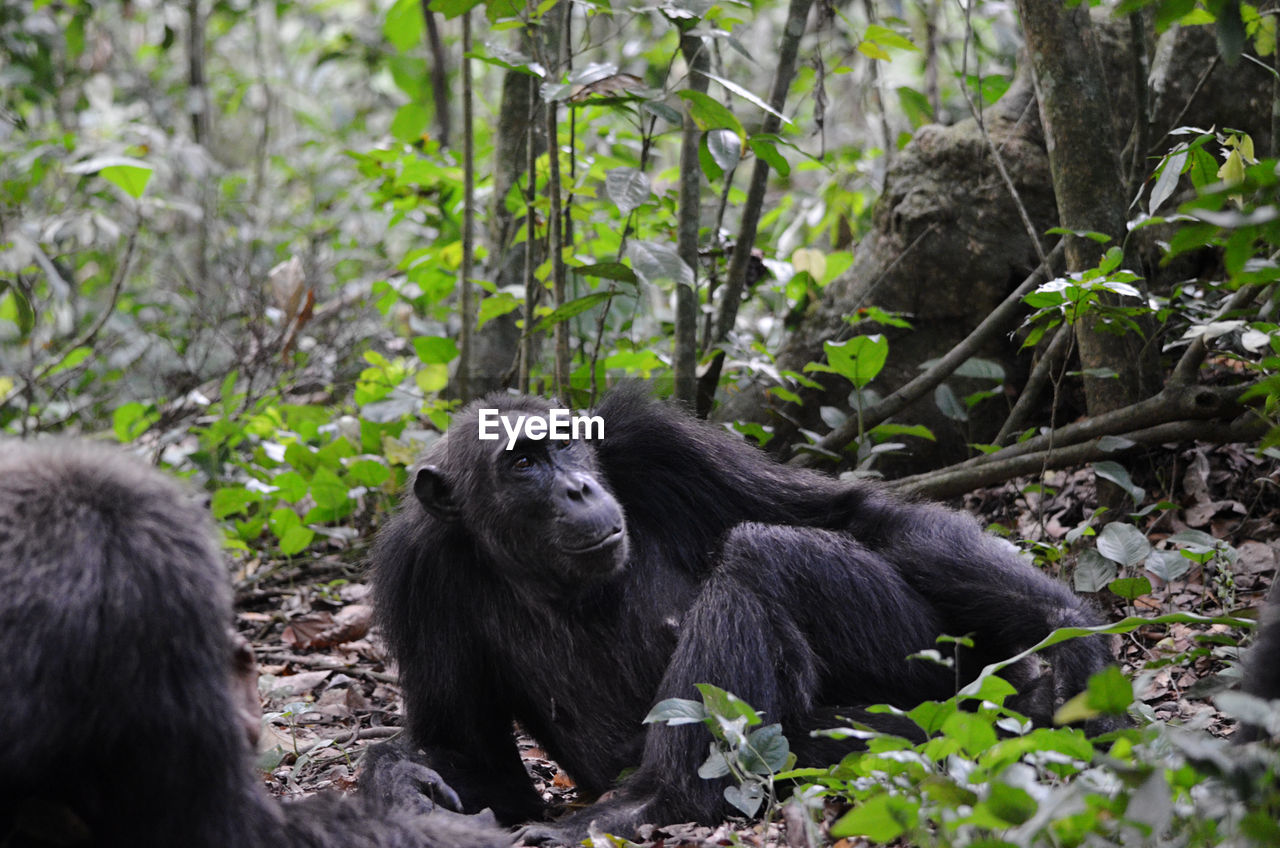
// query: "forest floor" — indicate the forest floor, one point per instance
point(329, 689)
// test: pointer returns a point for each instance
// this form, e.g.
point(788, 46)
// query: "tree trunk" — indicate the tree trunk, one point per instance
point(1076, 114)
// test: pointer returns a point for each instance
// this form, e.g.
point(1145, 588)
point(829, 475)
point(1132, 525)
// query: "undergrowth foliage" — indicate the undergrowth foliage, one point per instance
point(986, 777)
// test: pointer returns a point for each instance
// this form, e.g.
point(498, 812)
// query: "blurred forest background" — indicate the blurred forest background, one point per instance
point(1020, 252)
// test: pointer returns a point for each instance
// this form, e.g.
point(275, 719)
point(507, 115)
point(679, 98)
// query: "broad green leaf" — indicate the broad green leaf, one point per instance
point(404, 25)
point(1124, 544)
point(1130, 588)
point(1009, 803)
point(747, 797)
point(606, 270)
point(132, 420)
point(746, 95)
point(574, 307)
point(435, 350)
point(725, 148)
point(1093, 572)
point(858, 359)
point(291, 486)
point(710, 114)
point(233, 500)
point(1116, 473)
point(675, 711)
point(328, 489)
point(881, 819)
point(495, 306)
point(132, 179)
point(950, 405)
point(627, 188)
point(409, 123)
point(454, 8)
point(1170, 170)
point(654, 262)
point(888, 38)
point(766, 148)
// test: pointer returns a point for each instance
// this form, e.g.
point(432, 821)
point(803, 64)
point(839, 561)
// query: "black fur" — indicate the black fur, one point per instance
point(1262, 667)
point(118, 701)
point(799, 593)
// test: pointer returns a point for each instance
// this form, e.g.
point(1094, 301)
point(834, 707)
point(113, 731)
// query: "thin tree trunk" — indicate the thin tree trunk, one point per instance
point(463, 374)
point(201, 122)
point(686, 332)
point(557, 255)
point(439, 77)
point(531, 235)
point(736, 276)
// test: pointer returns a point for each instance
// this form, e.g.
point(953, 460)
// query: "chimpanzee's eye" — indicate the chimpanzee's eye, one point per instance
point(522, 463)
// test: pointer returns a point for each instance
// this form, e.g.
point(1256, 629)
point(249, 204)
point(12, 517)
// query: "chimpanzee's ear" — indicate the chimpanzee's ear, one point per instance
point(435, 494)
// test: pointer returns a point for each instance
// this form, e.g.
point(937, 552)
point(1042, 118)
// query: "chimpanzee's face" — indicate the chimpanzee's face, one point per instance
point(538, 507)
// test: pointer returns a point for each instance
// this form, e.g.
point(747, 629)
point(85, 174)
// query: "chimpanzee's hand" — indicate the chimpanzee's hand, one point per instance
point(395, 777)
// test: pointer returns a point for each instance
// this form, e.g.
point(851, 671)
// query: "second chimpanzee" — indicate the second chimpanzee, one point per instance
point(126, 705)
point(570, 585)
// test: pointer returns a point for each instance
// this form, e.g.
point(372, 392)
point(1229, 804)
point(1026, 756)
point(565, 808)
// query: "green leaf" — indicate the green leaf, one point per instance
point(608, 271)
point(368, 472)
point(746, 95)
point(1009, 803)
point(881, 819)
point(233, 500)
point(627, 188)
point(292, 536)
point(655, 261)
point(1093, 572)
point(748, 797)
point(291, 486)
point(133, 419)
point(710, 114)
point(725, 148)
point(1116, 473)
point(1110, 691)
point(328, 489)
point(726, 705)
point(1124, 544)
point(973, 731)
point(132, 179)
point(674, 711)
point(453, 8)
point(435, 350)
point(858, 359)
point(765, 146)
point(950, 405)
point(24, 316)
point(495, 306)
point(1130, 588)
point(404, 25)
point(768, 750)
point(409, 123)
point(888, 38)
point(574, 307)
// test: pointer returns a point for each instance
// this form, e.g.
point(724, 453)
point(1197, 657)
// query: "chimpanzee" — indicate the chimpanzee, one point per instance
point(124, 700)
point(571, 584)
point(1262, 669)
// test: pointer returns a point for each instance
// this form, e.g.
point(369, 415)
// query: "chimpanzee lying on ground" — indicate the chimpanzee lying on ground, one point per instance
point(123, 695)
point(570, 585)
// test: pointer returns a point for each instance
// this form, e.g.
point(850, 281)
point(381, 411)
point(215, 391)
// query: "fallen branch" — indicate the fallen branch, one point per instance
point(956, 480)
